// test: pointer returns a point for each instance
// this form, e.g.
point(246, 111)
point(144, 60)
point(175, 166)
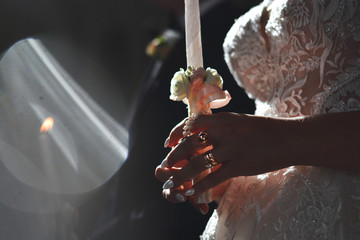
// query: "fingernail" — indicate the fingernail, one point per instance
point(187, 122)
point(190, 192)
point(168, 184)
point(166, 143)
point(164, 164)
point(179, 197)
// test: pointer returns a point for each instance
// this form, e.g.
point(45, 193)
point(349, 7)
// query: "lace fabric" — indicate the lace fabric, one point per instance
point(295, 58)
point(311, 63)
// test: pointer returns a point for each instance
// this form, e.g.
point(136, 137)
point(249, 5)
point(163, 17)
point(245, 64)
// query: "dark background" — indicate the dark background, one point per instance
point(102, 45)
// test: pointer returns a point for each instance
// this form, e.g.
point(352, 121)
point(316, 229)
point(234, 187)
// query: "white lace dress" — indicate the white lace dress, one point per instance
point(295, 58)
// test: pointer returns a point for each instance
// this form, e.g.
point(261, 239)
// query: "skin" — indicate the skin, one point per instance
point(248, 145)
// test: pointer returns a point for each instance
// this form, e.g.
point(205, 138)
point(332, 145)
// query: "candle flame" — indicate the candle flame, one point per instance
point(47, 124)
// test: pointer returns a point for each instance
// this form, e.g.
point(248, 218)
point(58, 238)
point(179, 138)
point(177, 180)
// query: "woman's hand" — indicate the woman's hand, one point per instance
point(246, 145)
point(243, 145)
point(177, 195)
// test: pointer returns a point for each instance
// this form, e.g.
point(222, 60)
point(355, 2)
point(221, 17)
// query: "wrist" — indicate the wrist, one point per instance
point(329, 138)
point(291, 136)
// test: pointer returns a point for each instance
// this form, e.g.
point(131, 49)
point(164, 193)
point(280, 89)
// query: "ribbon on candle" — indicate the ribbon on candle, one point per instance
point(193, 34)
point(214, 96)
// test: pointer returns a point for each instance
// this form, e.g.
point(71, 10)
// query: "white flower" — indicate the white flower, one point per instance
point(212, 77)
point(179, 86)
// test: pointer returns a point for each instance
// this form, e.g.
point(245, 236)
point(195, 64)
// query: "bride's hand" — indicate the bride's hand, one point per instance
point(243, 145)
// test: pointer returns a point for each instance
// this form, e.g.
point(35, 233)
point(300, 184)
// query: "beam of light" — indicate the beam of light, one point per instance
point(117, 145)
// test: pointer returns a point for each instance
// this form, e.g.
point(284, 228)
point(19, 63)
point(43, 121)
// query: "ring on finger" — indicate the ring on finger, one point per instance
point(203, 137)
point(210, 160)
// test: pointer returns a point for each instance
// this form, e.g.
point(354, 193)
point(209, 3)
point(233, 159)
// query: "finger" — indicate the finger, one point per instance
point(194, 168)
point(175, 135)
point(164, 164)
point(201, 123)
point(211, 180)
point(176, 195)
point(185, 150)
point(208, 121)
point(163, 174)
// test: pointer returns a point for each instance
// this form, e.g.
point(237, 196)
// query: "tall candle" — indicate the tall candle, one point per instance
point(195, 59)
point(193, 34)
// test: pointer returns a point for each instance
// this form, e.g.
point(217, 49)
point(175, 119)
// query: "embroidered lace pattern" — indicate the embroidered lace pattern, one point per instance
point(295, 58)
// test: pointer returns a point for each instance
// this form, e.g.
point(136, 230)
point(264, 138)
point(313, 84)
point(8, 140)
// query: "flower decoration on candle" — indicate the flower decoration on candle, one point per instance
point(200, 89)
point(179, 86)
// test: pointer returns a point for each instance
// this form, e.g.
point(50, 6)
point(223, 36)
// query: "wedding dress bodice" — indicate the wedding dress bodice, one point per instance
point(295, 58)
point(299, 57)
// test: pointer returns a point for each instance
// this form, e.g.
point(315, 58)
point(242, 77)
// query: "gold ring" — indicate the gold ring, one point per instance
point(203, 137)
point(210, 160)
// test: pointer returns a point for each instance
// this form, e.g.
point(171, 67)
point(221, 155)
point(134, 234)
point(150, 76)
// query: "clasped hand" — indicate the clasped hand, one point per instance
point(243, 144)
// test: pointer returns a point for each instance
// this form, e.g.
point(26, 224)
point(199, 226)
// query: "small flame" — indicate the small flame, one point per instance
point(47, 124)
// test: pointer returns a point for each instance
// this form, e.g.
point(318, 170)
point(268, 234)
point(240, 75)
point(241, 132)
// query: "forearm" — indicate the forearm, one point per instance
point(330, 140)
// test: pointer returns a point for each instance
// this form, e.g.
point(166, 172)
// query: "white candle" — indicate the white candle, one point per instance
point(195, 59)
point(193, 34)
